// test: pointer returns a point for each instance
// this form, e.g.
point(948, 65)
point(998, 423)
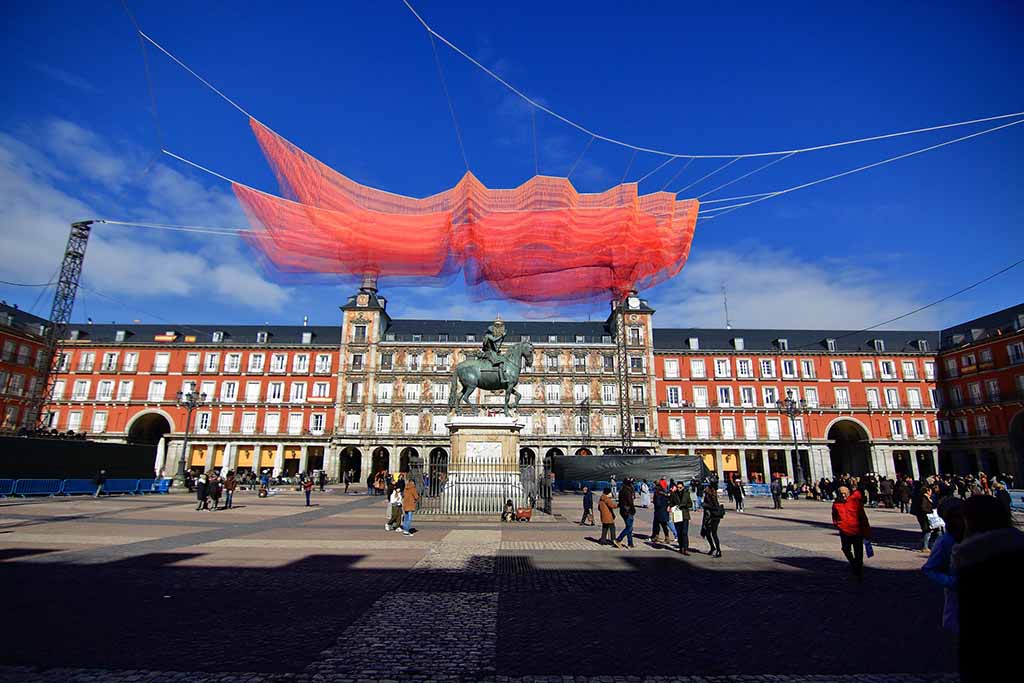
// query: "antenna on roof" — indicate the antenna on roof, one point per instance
point(725, 304)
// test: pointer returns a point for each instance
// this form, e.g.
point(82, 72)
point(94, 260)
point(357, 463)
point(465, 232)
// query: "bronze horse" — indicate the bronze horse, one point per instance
point(477, 373)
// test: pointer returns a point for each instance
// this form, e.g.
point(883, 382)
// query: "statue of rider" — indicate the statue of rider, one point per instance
point(492, 348)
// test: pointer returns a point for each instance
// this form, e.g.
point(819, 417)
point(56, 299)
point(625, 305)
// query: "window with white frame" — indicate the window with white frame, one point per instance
point(278, 362)
point(582, 425)
point(439, 392)
point(774, 426)
point(412, 392)
point(909, 369)
point(636, 364)
point(747, 397)
point(161, 362)
point(442, 361)
point(609, 425)
point(725, 396)
point(676, 428)
point(580, 393)
point(935, 397)
point(229, 392)
point(674, 395)
point(414, 361)
point(248, 423)
point(298, 394)
point(105, 391)
point(16, 384)
point(553, 424)
point(968, 360)
point(722, 368)
point(671, 368)
point(920, 428)
point(981, 422)
point(608, 393)
point(553, 393)
point(728, 428)
point(943, 426)
point(316, 423)
point(637, 393)
point(956, 396)
point(262, 337)
point(788, 367)
point(99, 422)
point(867, 369)
point(57, 394)
point(892, 398)
point(355, 392)
point(767, 366)
point(86, 361)
point(131, 362)
point(252, 392)
point(811, 397)
point(750, 428)
point(323, 362)
point(700, 397)
point(960, 426)
point(359, 334)
point(992, 389)
point(1015, 353)
point(156, 390)
point(225, 423)
point(985, 355)
point(383, 423)
point(888, 369)
point(256, 361)
point(64, 362)
point(233, 363)
point(974, 390)
point(275, 392)
point(838, 369)
point(579, 363)
point(294, 423)
point(897, 429)
point(697, 368)
point(951, 368)
point(527, 424)
point(703, 427)
point(744, 368)
point(74, 421)
point(608, 363)
point(798, 429)
point(842, 397)
point(914, 398)
point(770, 396)
point(203, 423)
point(80, 390)
point(212, 362)
point(807, 368)
point(438, 424)
point(192, 362)
point(384, 392)
point(872, 396)
point(352, 423)
point(109, 363)
point(639, 425)
point(551, 363)
point(300, 363)
point(321, 390)
point(929, 370)
point(635, 336)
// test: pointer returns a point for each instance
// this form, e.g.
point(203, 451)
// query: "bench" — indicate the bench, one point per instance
point(37, 487)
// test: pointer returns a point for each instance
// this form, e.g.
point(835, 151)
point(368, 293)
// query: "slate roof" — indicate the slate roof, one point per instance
point(666, 339)
point(22, 321)
point(538, 331)
point(323, 335)
point(996, 324)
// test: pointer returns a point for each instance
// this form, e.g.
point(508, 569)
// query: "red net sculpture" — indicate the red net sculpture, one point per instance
point(542, 242)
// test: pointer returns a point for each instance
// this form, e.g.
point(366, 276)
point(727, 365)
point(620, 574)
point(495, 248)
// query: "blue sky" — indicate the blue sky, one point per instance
point(355, 84)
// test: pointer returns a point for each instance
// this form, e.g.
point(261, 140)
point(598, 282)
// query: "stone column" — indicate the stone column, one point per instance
point(230, 457)
point(824, 460)
point(742, 457)
point(279, 460)
point(365, 465)
point(394, 459)
point(303, 458)
point(766, 466)
point(881, 460)
point(718, 465)
point(913, 465)
point(210, 453)
point(332, 462)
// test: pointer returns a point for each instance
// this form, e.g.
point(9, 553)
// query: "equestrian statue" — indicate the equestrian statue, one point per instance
point(490, 370)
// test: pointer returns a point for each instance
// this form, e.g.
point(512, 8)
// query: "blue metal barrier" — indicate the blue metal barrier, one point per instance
point(146, 485)
point(37, 487)
point(73, 487)
point(121, 486)
point(6, 487)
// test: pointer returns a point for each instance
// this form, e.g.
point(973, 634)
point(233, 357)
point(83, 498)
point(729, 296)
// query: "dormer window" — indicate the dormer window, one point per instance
point(120, 335)
point(524, 337)
point(307, 337)
point(471, 337)
point(922, 344)
point(74, 335)
point(579, 339)
point(878, 344)
point(693, 344)
point(830, 344)
point(606, 339)
point(261, 337)
point(218, 337)
point(417, 337)
point(443, 337)
point(737, 343)
point(553, 338)
point(782, 344)
point(390, 336)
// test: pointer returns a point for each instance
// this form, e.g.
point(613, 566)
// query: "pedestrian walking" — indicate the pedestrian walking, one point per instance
point(615, 487)
point(588, 508)
point(661, 517)
point(307, 488)
point(606, 509)
point(988, 565)
point(213, 488)
point(394, 522)
point(939, 567)
point(714, 513)
point(739, 493)
point(903, 491)
point(201, 493)
point(930, 523)
point(849, 518)
point(680, 502)
point(410, 498)
point(230, 484)
point(627, 508)
point(776, 490)
point(645, 495)
point(100, 480)
point(322, 481)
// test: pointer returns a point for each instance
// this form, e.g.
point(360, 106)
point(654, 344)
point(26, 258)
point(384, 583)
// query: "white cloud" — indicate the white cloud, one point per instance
point(773, 288)
point(65, 77)
point(42, 185)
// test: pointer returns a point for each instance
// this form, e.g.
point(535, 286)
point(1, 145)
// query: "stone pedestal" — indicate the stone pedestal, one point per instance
point(483, 469)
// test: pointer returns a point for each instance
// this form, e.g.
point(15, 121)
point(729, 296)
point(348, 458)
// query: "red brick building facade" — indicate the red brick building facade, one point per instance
point(21, 340)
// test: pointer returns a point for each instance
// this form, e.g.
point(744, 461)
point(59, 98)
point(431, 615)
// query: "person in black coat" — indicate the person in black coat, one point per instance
point(679, 503)
point(660, 515)
point(776, 488)
point(627, 509)
point(588, 507)
point(714, 511)
point(201, 493)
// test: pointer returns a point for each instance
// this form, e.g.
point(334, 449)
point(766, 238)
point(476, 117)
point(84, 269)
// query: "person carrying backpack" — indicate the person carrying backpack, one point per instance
point(714, 513)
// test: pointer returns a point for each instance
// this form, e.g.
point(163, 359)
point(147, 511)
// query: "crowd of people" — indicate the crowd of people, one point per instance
point(402, 499)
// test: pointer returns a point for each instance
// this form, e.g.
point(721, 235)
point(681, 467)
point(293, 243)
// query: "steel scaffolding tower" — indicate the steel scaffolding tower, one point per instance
point(622, 375)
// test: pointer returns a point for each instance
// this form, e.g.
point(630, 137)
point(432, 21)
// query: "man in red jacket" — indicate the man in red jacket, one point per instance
point(848, 516)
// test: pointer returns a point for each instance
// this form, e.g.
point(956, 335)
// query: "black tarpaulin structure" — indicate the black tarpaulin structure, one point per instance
point(649, 467)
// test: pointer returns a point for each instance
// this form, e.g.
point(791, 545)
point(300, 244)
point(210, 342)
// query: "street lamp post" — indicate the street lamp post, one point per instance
point(794, 409)
point(189, 400)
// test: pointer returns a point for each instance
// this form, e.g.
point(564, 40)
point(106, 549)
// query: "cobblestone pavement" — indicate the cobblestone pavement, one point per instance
point(148, 589)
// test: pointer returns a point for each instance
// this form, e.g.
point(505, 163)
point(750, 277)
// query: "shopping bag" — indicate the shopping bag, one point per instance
point(677, 514)
point(934, 521)
point(869, 549)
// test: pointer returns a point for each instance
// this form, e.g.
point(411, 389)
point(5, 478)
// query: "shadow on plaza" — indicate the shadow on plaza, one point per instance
point(627, 615)
point(880, 535)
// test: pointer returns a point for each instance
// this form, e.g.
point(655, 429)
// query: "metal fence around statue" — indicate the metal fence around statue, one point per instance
point(478, 488)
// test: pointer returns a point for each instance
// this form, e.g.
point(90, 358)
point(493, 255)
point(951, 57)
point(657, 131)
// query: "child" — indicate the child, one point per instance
point(509, 513)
